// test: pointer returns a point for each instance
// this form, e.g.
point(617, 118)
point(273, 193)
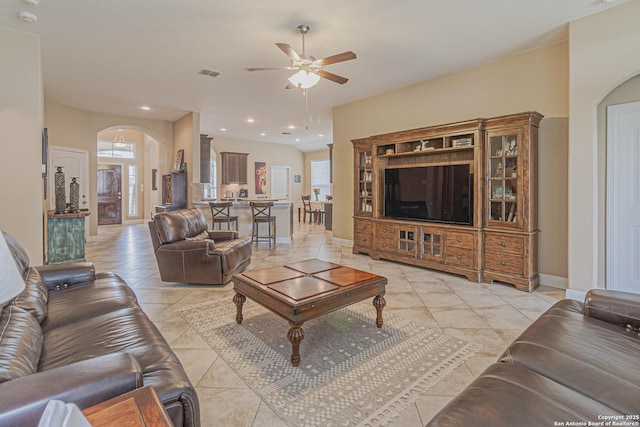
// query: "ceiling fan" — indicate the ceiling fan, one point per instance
point(309, 68)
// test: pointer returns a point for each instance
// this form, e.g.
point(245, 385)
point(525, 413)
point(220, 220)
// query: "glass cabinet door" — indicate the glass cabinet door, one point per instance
point(503, 178)
point(365, 182)
point(407, 241)
point(432, 244)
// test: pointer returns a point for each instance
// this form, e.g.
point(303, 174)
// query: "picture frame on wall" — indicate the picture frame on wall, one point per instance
point(179, 166)
point(261, 177)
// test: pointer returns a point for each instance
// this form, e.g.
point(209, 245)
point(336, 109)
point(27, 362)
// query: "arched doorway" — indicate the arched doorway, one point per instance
point(127, 163)
point(619, 177)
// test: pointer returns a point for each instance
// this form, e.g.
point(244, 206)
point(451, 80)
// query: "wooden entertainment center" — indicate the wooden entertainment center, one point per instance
point(500, 240)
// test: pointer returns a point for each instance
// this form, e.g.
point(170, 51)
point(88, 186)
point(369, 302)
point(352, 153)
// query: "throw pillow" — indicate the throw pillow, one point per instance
point(35, 296)
point(20, 343)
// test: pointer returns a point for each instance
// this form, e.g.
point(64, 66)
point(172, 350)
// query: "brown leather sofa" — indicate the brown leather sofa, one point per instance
point(576, 364)
point(80, 336)
point(187, 252)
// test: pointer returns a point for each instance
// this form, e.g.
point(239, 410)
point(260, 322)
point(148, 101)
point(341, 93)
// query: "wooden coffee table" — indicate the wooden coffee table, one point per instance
point(304, 290)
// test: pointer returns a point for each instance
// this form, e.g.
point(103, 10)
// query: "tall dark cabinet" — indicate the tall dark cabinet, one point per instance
point(174, 192)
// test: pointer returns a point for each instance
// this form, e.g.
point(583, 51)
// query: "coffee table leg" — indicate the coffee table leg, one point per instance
point(379, 303)
point(239, 300)
point(295, 335)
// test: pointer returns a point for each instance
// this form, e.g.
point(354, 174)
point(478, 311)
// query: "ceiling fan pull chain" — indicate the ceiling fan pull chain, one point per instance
point(306, 109)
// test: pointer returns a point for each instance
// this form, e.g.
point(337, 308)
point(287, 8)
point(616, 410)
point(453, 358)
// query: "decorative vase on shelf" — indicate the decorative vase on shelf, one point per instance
point(74, 196)
point(61, 198)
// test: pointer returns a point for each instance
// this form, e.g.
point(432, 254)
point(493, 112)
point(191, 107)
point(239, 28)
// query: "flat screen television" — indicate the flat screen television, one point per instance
point(429, 193)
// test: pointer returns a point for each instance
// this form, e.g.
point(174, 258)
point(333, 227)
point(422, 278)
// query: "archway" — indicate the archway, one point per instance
point(136, 160)
point(625, 93)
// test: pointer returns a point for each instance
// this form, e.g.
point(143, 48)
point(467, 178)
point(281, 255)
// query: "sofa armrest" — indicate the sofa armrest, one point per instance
point(85, 383)
point(58, 275)
point(619, 308)
point(223, 234)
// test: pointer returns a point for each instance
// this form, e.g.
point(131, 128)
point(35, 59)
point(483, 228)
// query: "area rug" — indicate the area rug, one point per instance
point(351, 372)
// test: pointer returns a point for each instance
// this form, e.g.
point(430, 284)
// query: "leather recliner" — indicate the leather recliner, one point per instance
point(187, 252)
point(577, 364)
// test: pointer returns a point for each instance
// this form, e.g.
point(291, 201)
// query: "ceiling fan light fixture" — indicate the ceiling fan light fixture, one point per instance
point(304, 79)
point(119, 140)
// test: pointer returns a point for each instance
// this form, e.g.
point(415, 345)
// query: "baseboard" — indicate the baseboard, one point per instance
point(576, 295)
point(342, 242)
point(554, 281)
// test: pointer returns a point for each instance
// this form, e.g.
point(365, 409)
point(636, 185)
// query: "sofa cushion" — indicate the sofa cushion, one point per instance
point(510, 395)
point(83, 301)
point(20, 343)
point(126, 330)
point(34, 297)
point(598, 358)
point(178, 225)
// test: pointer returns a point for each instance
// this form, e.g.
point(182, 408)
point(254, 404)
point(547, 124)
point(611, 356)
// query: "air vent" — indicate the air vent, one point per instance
point(287, 133)
point(208, 72)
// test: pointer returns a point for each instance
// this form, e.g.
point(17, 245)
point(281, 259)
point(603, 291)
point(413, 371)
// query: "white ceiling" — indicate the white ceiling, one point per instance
point(114, 56)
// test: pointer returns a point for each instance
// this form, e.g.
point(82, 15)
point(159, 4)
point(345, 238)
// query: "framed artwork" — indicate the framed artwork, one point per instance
point(167, 189)
point(154, 179)
point(179, 160)
point(261, 177)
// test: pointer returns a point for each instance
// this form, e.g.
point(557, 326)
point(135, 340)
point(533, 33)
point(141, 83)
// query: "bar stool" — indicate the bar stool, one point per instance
point(220, 213)
point(261, 212)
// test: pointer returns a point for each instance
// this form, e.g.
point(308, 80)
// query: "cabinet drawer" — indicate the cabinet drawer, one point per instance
point(385, 245)
point(459, 257)
point(504, 244)
point(384, 230)
point(502, 263)
point(459, 240)
point(362, 227)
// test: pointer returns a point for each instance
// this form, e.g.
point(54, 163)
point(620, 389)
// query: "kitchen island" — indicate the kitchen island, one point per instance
point(281, 209)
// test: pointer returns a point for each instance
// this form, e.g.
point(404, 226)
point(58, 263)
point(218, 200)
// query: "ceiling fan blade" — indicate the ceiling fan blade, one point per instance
point(268, 68)
point(288, 50)
point(330, 76)
point(333, 59)
point(290, 86)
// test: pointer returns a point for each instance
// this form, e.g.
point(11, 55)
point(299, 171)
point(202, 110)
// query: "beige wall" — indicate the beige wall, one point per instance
point(272, 154)
point(185, 132)
point(603, 54)
point(21, 105)
point(69, 127)
point(534, 80)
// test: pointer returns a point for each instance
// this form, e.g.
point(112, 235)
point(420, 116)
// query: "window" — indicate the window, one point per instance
point(109, 149)
point(133, 194)
point(210, 191)
point(320, 177)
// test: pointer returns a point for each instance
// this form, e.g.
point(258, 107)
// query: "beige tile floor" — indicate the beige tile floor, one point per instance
point(490, 315)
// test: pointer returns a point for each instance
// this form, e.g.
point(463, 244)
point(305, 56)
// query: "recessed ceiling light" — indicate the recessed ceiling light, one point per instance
point(250, 120)
point(223, 129)
point(320, 135)
point(145, 108)
point(297, 139)
point(292, 127)
point(262, 134)
point(28, 17)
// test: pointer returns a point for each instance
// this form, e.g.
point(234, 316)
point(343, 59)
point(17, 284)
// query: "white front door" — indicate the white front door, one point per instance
point(75, 164)
point(623, 197)
point(280, 182)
